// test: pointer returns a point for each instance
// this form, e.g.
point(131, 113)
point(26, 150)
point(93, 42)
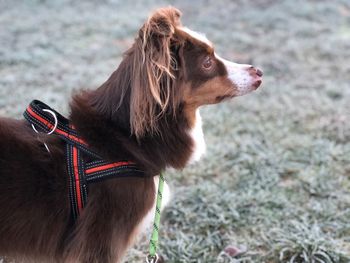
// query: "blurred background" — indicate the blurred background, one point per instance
point(274, 185)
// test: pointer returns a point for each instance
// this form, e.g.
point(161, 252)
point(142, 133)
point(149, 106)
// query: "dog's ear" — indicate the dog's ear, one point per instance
point(153, 71)
point(162, 23)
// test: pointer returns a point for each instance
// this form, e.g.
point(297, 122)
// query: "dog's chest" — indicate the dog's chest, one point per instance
point(148, 219)
point(199, 148)
point(197, 136)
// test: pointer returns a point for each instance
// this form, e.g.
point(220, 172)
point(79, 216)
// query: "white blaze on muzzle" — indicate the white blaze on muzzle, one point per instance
point(239, 76)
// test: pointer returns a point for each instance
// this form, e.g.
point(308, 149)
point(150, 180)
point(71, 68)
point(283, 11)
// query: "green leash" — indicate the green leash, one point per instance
point(153, 244)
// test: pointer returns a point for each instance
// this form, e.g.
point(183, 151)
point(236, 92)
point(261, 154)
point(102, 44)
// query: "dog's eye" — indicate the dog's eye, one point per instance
point(207, 63)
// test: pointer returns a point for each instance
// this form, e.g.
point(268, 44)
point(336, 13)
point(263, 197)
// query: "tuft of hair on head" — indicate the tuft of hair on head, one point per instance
point(153, 71)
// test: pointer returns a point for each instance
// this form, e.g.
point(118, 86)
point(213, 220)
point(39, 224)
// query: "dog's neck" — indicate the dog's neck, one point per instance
point(108, 132)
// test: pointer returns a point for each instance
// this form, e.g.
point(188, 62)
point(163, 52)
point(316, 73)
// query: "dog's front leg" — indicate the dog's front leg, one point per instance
point(96, 243)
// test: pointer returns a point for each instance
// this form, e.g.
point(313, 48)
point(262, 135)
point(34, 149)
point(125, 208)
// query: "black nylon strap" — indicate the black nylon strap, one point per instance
point(80, 173)
point(72, 186)
point(36, 110)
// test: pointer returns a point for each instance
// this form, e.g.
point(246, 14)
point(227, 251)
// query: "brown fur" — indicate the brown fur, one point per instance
point(142, 113)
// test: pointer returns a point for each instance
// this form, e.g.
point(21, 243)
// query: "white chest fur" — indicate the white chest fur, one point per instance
point(199, 149)
point(198, 139)
point(148, 219)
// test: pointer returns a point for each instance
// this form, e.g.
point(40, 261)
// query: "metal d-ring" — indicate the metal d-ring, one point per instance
point(152, 259)
point(55, 118)
point(54, 127)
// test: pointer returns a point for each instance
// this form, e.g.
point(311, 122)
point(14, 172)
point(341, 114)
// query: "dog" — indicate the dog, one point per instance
point(146, 112)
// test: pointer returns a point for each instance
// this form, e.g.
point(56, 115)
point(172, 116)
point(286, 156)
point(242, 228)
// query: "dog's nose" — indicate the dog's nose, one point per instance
point(259, 72)
point(255, 71)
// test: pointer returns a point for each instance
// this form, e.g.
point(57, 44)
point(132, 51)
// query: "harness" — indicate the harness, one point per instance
point(81, 172)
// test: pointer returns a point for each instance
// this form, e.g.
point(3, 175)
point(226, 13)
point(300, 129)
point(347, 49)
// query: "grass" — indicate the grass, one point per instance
point(275, 182)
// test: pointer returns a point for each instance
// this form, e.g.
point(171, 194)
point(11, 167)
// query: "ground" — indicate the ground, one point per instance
point(275, 182)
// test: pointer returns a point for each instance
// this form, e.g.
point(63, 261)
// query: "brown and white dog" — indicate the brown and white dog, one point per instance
point(147, 112)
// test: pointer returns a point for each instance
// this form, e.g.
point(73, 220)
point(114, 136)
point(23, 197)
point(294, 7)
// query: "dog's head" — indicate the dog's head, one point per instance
point(172, 66)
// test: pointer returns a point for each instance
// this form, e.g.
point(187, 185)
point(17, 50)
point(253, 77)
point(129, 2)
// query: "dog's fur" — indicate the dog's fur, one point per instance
point(146, 112)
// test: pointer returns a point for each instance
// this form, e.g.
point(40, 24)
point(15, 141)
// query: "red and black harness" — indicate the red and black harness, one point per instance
point(81, 173)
